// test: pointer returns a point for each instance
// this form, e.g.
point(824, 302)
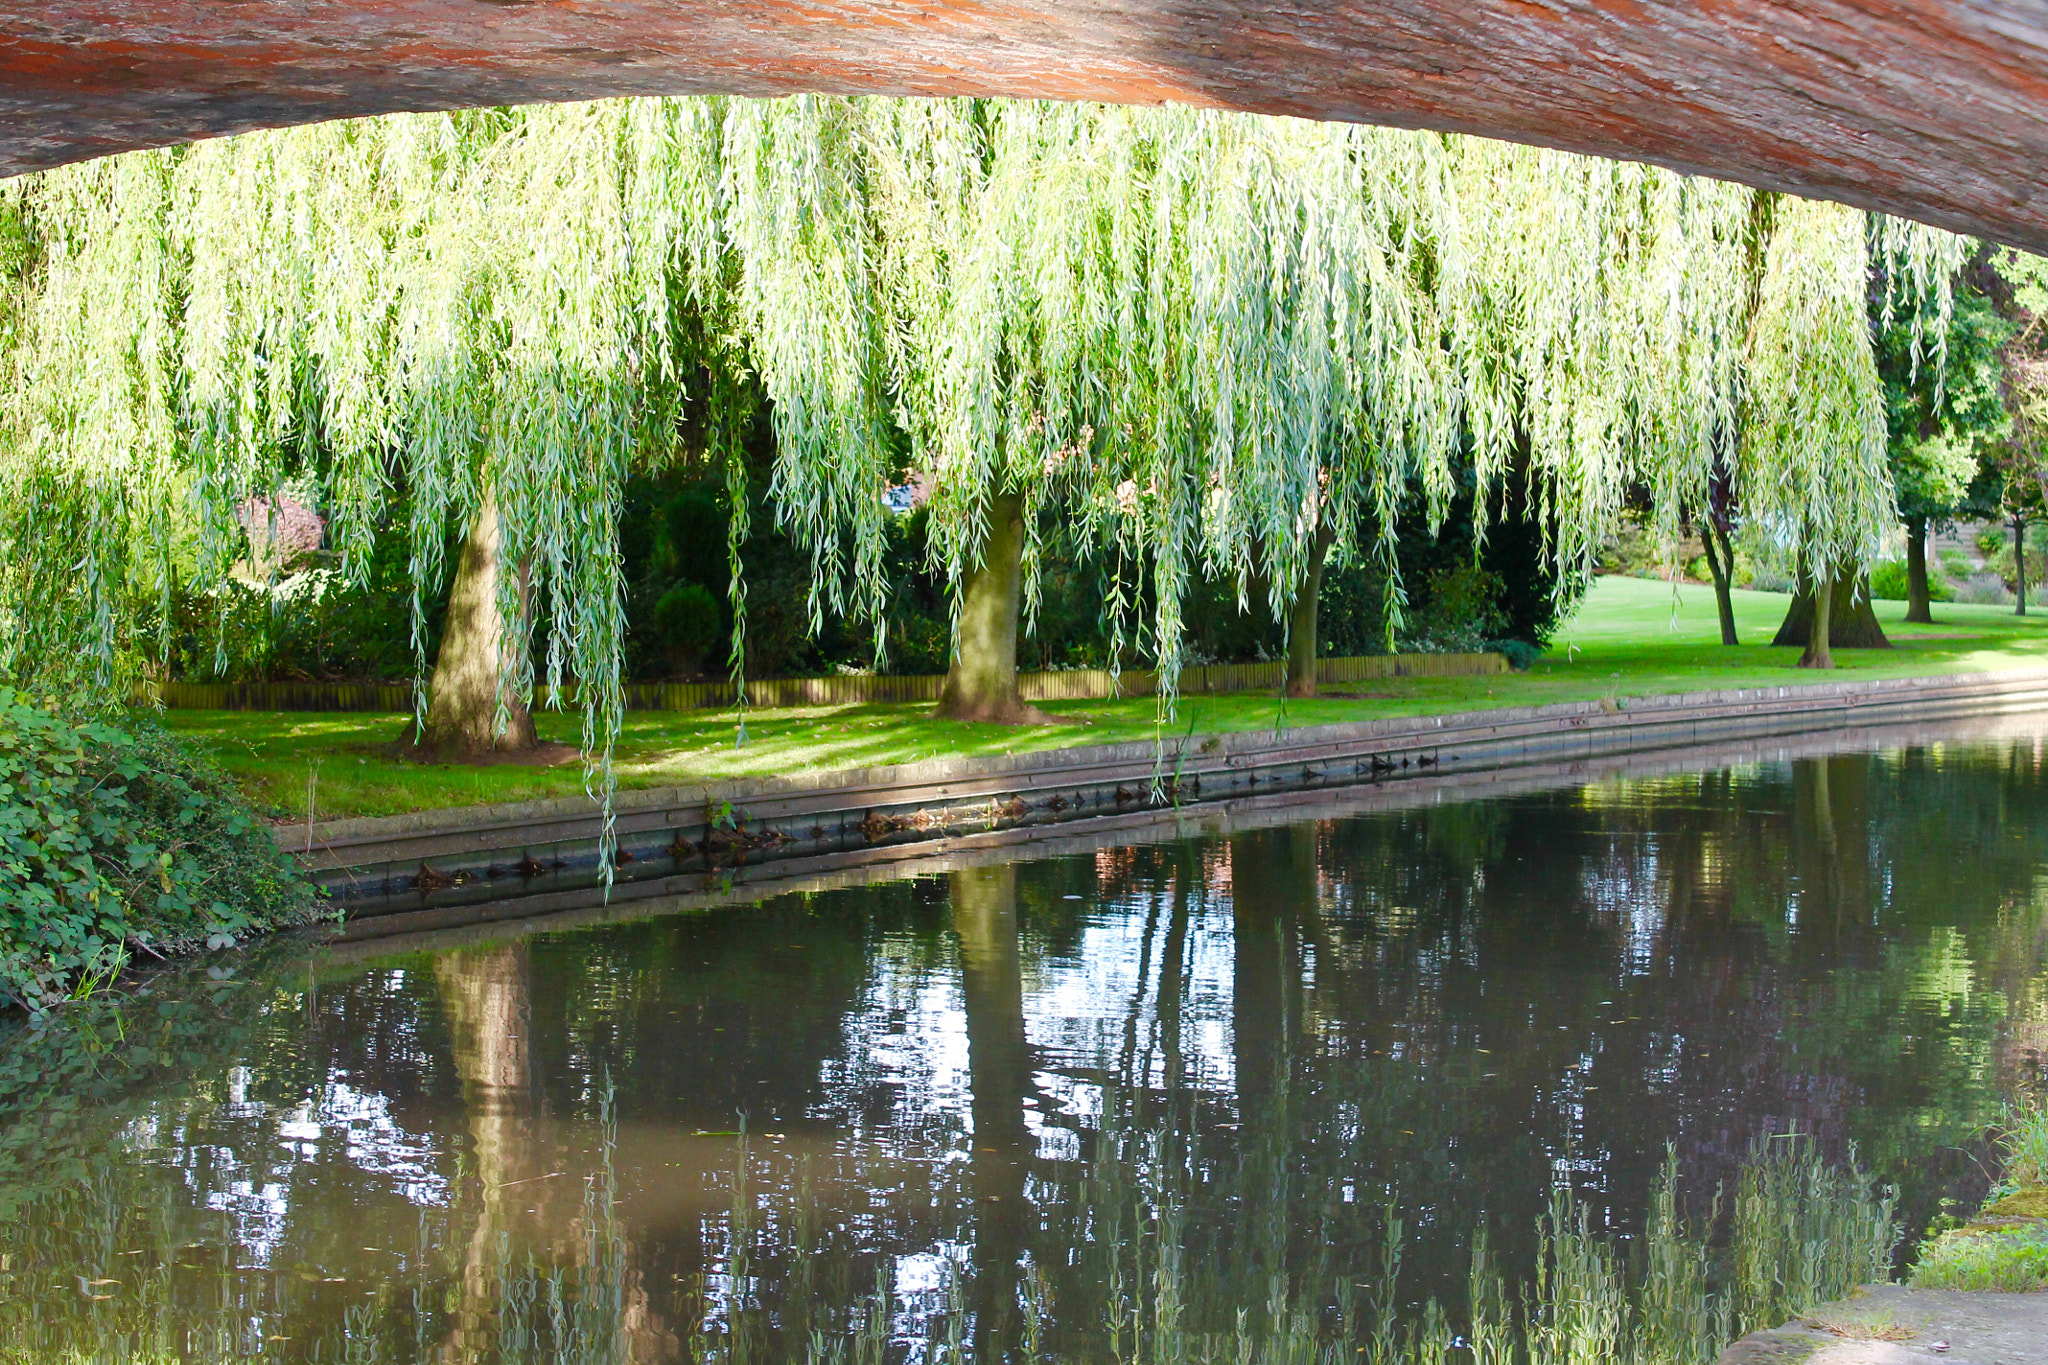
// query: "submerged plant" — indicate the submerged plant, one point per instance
point(171, 1285)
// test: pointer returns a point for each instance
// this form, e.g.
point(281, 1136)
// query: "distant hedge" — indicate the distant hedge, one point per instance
point(117, 838)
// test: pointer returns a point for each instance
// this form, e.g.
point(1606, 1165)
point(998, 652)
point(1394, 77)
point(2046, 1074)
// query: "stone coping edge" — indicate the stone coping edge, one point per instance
point(364, 834)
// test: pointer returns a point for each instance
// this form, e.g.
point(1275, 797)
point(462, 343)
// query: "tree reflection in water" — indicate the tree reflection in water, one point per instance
point(1184, 1101)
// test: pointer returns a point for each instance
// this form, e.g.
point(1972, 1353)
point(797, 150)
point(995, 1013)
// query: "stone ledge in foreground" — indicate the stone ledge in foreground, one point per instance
point(1890, 1324)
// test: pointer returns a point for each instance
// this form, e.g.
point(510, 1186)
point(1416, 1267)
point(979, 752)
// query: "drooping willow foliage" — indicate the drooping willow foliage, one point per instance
point(1203, 341)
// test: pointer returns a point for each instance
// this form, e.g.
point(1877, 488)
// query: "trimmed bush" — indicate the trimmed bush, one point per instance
point(690, 618)
point(115, 837)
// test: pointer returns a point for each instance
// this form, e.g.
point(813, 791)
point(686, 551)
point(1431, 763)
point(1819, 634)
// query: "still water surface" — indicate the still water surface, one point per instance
point(943, 1114)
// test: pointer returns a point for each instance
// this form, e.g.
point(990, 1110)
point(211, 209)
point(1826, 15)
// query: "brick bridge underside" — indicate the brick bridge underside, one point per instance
point(1932, 109)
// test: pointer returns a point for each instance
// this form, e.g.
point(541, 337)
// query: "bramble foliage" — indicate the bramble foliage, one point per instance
point(113, 837)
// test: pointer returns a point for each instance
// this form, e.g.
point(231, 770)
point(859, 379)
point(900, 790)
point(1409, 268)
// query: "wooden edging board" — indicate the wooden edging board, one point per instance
point(686, 839)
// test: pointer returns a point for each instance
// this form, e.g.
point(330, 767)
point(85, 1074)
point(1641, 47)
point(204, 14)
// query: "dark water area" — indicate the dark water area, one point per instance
point(1001, 1113)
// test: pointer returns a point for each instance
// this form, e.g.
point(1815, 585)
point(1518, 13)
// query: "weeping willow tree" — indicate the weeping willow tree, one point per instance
point(1192, 342)
point(1198, 341)
point(1815, 418)
point(1707, 341)
point(450, 307)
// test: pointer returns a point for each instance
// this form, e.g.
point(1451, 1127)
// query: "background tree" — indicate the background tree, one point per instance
point(1814, 418)
point(2016, 465)
point(1937, 422)
point(2011, 484)
point(1717, 518)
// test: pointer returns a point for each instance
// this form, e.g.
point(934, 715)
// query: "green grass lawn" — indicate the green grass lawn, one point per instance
point(1631, 638)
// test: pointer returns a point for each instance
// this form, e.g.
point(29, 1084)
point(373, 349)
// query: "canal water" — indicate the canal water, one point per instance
point(1059, 1109)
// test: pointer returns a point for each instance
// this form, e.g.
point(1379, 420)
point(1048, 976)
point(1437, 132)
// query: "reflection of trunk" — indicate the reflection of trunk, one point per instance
point(1129, 1073)
point(1850, 620)
point(1919, 600)
point(1822, 879)
point(462, 705)
point(1820, 803)
point(1301, 620)
point(999, 1061)
point(1270, 872)
point(981, 684)
point(1173, 978)
point(486, 998)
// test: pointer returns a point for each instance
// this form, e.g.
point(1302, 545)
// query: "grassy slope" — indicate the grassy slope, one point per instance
point(1626, 641)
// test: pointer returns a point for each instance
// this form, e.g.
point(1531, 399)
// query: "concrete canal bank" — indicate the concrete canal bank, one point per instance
point(688, 839)
point(1890, 1324)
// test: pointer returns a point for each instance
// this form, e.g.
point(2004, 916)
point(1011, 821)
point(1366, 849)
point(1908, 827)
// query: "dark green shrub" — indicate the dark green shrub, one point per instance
point(315, 622)
point(1462, 609)
point(1888, 583)
point(1521, 655)
point(116, 836)
point(690, 618)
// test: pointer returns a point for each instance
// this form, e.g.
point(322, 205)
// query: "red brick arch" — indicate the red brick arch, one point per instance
point(1934, 109)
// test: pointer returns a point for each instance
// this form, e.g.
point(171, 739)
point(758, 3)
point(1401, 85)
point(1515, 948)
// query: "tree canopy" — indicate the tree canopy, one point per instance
point(1206, 339)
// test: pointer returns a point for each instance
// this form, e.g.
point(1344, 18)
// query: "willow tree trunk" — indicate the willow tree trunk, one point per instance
point(1819, 636)
point(1919, 599)
point(1302, 641)
point(2019, 562)
point(981, 684)
point(462, 699)
point(1721, 565)
point(1847, 618)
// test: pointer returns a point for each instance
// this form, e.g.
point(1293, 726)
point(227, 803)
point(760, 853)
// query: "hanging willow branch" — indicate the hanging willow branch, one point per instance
point(1203, 342)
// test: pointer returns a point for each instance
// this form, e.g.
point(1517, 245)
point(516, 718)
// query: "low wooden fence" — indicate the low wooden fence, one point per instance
point(850, 689)
point(299, 696)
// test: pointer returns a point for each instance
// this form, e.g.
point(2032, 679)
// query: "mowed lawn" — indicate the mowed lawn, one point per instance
point(1630, 638)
